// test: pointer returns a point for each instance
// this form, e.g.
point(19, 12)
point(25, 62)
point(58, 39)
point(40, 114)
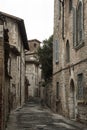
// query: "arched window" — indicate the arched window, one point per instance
point(80, 21)
point(67, 52)
point(78, 25)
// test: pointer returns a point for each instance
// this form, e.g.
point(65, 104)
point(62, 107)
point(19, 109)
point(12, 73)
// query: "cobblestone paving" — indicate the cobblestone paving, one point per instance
point(34, 117)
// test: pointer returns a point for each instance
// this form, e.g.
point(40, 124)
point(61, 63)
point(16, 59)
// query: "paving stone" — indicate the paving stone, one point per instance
point(32, 117)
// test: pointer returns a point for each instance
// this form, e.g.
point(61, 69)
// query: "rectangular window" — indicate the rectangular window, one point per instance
point(57, 90)
point(80, 86)
point(59, 9)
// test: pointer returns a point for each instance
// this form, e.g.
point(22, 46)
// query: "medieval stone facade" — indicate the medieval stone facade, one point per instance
point(33, 70)
point(1, 75)
point(13, 42)
point(70, 59)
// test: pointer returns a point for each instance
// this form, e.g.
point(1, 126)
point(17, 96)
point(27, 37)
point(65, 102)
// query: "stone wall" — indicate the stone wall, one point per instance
point(66, 73)
point(17, 64)
point(33, 70)
point(12, 65)
point(34, 45)
point(48, 93)
point(2, 119)
point(22, 75)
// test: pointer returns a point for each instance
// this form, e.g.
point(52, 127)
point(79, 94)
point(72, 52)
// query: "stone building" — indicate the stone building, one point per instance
point(1, 75)
point(70, 59)
point(33, 71)
point(13, 42)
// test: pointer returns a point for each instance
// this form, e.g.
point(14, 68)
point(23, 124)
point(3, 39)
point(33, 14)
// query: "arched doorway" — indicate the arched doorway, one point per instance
point(72, 100)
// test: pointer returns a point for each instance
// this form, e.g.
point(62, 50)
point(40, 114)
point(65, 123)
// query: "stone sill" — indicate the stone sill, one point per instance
point(79, 46)
point(82, 102)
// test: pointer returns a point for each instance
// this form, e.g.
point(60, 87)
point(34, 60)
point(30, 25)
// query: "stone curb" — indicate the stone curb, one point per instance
point(71, 122)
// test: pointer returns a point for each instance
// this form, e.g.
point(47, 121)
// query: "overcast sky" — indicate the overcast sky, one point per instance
point(37, 14)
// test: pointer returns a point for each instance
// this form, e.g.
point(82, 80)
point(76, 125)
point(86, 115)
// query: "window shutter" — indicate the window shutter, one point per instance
point(80, 22)
point(82, 19)
point(74, 26)
point(1, 31)
point(81, 30)
point(59, 9)
point(56, 50)
point(70, 5)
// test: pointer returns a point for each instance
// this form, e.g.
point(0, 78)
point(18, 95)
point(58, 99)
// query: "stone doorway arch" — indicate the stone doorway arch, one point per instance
point(72, 100)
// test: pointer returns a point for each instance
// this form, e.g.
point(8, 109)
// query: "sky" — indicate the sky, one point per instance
point(37, 15)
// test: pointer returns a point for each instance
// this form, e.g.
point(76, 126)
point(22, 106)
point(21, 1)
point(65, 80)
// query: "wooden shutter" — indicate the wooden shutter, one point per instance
point(56, 51)
point(1, 31)
point(74, 26)
point(81, 28)
point(70, 5)
point(80, 22)
point(59, 9)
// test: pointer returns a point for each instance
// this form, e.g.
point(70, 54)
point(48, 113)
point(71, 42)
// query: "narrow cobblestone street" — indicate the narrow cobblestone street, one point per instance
point(32, 116)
